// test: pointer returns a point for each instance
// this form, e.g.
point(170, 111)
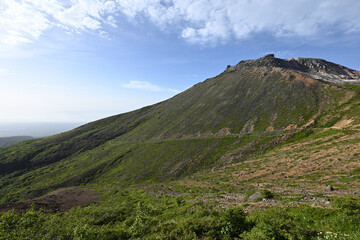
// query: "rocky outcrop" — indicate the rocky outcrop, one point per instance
point(312, 67)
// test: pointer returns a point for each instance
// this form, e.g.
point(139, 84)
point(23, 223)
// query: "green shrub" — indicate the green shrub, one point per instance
point(26, 226)
point(143, 217)
point(234, 222)
point(279, 223)
point(266, 194)
point(8, 225)
point(349, 204)
point(207, 226)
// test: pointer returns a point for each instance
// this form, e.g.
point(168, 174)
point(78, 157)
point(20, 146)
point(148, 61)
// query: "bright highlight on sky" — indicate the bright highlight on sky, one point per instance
point(82, 60)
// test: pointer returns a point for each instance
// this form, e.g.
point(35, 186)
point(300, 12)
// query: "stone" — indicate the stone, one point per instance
point(330, 188)
point(304, 194)
point(254, 196)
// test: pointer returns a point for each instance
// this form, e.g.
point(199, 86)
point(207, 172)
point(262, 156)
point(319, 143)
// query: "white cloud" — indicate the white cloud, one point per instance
point(197, 21)
point(142, 85)
point(212, 21)
point(20, 22)
point(111, 21)
point(25, 21)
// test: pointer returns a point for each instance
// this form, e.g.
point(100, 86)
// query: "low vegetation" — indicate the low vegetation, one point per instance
point(136, 215)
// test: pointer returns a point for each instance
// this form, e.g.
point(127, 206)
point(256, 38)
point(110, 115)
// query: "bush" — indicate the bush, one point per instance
point(234, 222)
point(163, 218)
point(266, 194)
point(280, 223)
point(349, 204)
point(204, 227)
point(26, 226)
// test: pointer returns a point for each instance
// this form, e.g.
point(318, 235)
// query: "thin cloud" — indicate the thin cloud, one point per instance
point(143, 86)
point(146, 86)
point(4, 71)
point(173, 90)
point(196, 21)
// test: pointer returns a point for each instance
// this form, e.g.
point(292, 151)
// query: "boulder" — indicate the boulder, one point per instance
point(254, 197)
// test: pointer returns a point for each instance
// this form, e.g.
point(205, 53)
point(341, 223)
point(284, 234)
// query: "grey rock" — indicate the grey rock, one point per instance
point(254, 196)
point(329, 188)
point(304, 194)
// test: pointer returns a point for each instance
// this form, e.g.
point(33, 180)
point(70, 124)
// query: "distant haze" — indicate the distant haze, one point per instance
point(35, 129)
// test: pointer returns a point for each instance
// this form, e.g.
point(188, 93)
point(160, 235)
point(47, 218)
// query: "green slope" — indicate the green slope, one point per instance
point(246, 111)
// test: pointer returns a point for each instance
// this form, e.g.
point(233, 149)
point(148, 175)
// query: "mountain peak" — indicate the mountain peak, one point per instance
point(316, 68)
point(269, 56)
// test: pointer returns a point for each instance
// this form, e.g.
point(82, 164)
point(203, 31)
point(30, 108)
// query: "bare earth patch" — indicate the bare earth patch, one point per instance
point(342, 123)
point(60, 200)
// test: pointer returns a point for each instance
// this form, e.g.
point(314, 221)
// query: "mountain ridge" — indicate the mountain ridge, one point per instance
point(7, 141)
point(316, 68)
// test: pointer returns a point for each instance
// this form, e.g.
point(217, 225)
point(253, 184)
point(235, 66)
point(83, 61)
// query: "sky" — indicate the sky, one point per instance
point(82, 60)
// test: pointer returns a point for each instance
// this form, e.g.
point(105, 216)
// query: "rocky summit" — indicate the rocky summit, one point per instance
point(316, 68)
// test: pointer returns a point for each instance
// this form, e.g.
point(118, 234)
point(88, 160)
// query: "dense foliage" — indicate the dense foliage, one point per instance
point(136, 215)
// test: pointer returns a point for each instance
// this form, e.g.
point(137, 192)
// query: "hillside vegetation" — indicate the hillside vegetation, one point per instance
point(259, 136)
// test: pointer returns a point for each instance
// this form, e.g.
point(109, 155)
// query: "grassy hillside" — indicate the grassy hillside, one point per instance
point(254, 153)
point(246, 112)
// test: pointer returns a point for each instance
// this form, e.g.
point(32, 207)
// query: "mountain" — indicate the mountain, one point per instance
point(268, 149)
point(36, 130)
point(7, 141)
point(242, 113)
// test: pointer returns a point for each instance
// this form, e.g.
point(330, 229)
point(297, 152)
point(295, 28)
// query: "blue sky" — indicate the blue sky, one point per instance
point(81, 60)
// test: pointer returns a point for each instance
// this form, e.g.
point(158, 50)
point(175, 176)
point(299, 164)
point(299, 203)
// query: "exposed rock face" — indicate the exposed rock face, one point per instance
point(312, 67)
